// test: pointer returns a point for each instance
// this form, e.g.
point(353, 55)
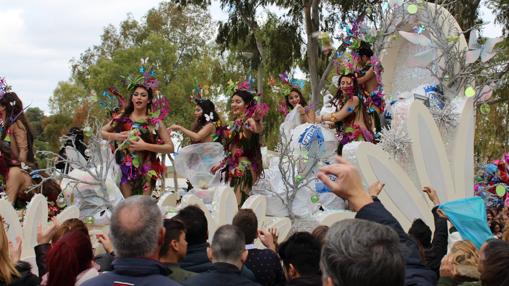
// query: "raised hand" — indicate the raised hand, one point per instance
point(46, 236)
point(348, 184)
point(432, 195)
point(267, 239)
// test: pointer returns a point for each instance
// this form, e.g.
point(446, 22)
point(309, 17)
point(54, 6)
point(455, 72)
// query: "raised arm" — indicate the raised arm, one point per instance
point(367, 77)
point(108, 134)
point(205, 132)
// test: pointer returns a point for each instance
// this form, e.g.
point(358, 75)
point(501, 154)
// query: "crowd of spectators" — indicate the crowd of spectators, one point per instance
point(142, 248)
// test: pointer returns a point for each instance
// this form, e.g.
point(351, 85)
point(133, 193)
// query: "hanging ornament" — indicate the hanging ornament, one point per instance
point(485, 108)
point(315, 199)
point(412, 9)
point(470, 92)
point(500, 190)
point(299, 179)
point(89, 220)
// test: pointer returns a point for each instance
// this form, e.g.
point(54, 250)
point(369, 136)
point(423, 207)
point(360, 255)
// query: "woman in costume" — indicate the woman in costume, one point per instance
point(204, 127)
point(17, 155)
point(370, 82)
point(243, 165)
point(141, 137)
point(295, 99)
point(352, 121)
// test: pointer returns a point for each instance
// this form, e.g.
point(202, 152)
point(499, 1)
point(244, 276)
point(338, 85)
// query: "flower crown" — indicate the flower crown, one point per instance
point(146, 76)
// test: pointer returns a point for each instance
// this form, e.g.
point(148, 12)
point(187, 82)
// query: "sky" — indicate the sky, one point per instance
point(38, 38)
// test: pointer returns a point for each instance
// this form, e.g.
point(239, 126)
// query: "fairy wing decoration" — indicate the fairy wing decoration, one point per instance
point(477, 50)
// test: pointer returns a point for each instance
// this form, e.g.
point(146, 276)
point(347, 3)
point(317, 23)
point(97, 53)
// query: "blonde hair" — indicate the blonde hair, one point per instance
point(465, 257)
point(7, 268)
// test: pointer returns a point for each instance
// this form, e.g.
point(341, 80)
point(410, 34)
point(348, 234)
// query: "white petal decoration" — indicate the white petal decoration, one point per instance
point(429, 151)
point(463, 153)
point(68, 213)
point(258, 204)
point(36, 214)
point(224, 205)
point(10, 216)
point(400, 196)
point(330, 218)
point(190, 199)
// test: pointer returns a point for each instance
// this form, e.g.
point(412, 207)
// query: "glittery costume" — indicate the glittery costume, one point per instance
point(141, 169)
point(349, 131)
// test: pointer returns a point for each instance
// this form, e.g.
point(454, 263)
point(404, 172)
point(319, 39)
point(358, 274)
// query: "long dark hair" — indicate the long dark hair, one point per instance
point(14, 112)
point(302, 102)
point(208, 107)
point(338, 99)
point(130, 106)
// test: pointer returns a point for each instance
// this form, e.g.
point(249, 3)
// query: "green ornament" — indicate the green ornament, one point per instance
point(485, 108)
point(89, 220)
point(299, 179)
point(453, 38)
point(315, 199)
point(500, 190)
point(412, 9)
point(470, 91)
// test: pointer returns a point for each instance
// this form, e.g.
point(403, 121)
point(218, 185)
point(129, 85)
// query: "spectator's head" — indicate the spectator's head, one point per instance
point(68, 257)
point(494, 262)
point(174, 247)
point(228, 246)
point(67, 226)
point(300, 255)
point(421, 232)
point(137, 228)
point(246, 221)
point(8, 270)
point(465, 258)
point(196, 223)
point(320, 232)
point(360, 252)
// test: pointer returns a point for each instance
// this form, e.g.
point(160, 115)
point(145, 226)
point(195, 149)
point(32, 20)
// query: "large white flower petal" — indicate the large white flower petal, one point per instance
point(463, 153)
point(429, 152)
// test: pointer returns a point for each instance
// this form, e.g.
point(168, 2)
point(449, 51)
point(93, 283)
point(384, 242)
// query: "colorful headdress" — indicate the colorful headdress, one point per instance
point(4, 87)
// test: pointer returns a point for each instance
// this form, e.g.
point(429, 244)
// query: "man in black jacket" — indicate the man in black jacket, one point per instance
point(228, 253)
point(433, 250)
point(301, 259)
point(348, 185)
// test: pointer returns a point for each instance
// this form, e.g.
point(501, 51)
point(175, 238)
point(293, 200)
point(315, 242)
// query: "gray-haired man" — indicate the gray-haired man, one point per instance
point(137, 234)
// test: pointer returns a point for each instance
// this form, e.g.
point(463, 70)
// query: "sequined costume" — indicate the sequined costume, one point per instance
point(141, 169)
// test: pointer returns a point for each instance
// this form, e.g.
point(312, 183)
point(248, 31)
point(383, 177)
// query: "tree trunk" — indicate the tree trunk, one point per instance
point(311, 10)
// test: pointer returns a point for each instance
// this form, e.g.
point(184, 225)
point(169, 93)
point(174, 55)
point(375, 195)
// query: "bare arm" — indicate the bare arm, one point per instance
point(199, 136)
point(108, 134)
point(253, 126)
point(367, 77)
point(346, 110)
